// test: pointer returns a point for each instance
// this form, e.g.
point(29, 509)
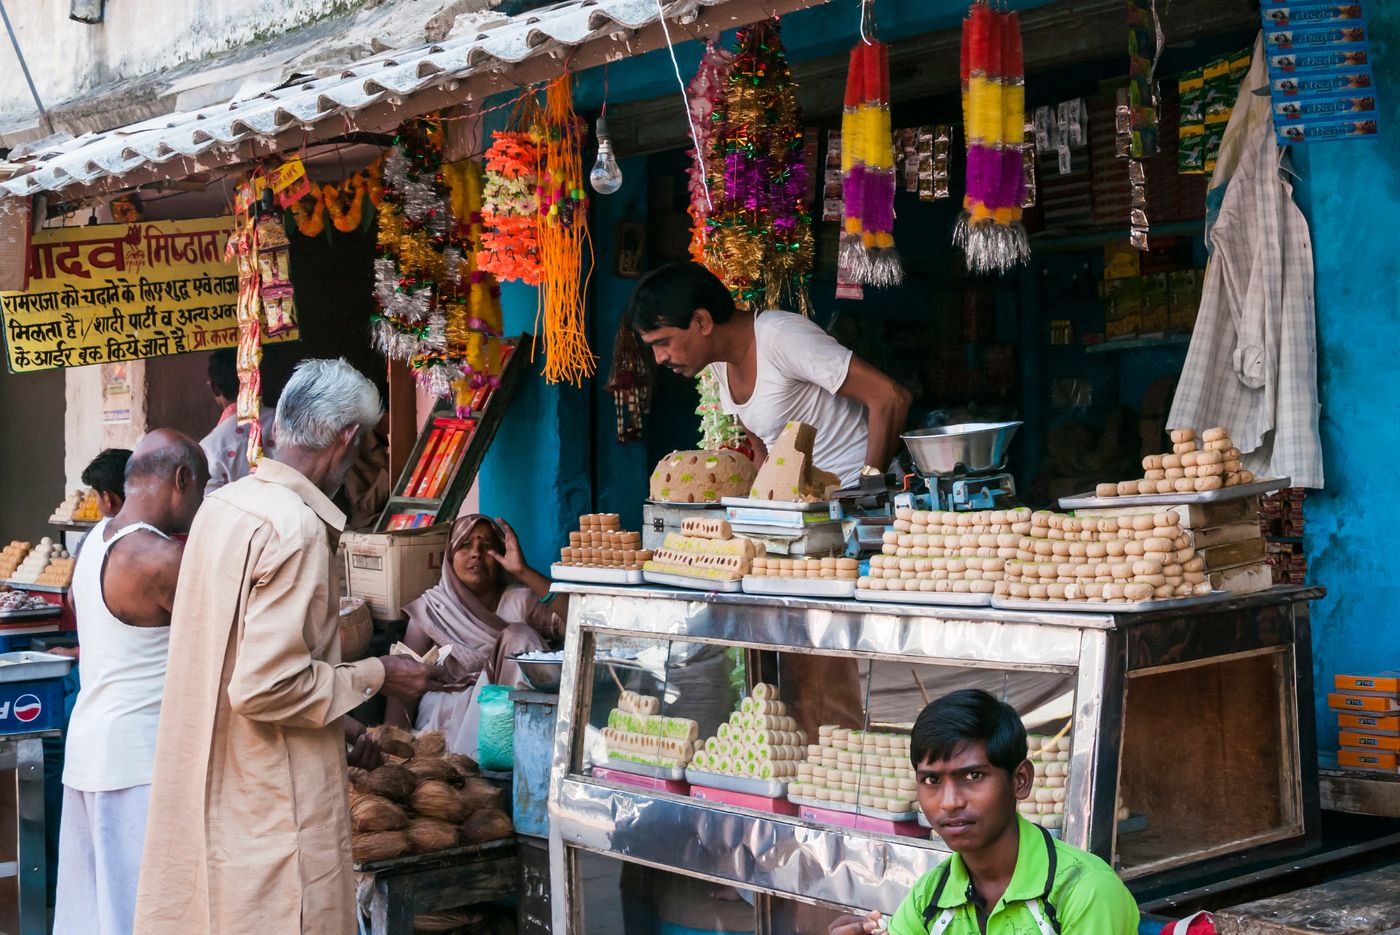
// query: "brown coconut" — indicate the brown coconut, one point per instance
point(392, 782)
point(375, 813)
point(434, 767)
point(431, 834)
point(436, 799)
point(399, 748)
point(379, 845)
point(489, 824)
point(462, 764)
point(480, 793)
point(390, 732)
point(357, 778)
point(429, 743)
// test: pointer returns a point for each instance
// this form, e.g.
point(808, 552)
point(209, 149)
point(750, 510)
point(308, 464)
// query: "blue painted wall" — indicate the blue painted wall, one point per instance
point(1351, 194)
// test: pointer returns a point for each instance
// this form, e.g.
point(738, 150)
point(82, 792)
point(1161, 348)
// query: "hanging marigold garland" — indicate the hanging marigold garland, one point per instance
point(994, 102)
point(510, 201)
point(702, 96)
point(343, 201)
point(867, 166)
point(562, 233)
point(760, 228)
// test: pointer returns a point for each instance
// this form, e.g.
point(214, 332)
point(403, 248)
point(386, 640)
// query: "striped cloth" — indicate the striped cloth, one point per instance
point(1252, 364)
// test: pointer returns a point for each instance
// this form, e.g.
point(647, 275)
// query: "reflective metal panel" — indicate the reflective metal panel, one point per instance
point(768, 852)
point(994, 639)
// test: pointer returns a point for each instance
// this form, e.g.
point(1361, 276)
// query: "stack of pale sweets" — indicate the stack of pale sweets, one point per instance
point(638, 733)
point(1191, 467)
point(705, 548)
point(600, 542)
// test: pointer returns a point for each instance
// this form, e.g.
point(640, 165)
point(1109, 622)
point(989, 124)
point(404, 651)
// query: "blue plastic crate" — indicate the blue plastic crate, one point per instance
point(31, 691)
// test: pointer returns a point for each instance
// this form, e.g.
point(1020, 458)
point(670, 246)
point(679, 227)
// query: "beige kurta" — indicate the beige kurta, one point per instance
point(249, 830)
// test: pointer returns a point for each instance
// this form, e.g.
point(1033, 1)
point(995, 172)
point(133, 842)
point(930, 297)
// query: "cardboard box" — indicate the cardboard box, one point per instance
point(1371, 704)
point(1369, 742)
point(1367, 759)
point(1249, 579)
point(1212, 536)
point(1369, 724)
point(1121, 260)
point(1233, 554)
point(1382, 682)
point(389, 570)
point(1192, 515)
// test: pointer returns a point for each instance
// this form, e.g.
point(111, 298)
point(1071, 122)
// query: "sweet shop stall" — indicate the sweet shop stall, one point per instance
point(1071, 525)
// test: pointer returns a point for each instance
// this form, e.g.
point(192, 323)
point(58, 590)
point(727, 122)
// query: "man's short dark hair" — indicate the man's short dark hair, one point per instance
point(106, 473)
point(162, 463)
point(668, 296)
point(966, 717)
point(223, 372)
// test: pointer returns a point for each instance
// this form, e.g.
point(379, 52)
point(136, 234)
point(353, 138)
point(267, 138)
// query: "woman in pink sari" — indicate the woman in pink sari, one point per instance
point(488, 606)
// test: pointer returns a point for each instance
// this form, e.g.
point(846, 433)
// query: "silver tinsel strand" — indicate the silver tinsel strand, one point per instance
point(991, 247)
point(859, 264)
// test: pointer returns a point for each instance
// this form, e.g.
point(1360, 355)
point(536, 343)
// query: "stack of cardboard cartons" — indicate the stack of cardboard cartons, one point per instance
point(1225, 535)
point(1368, 714)
point(1281, 519)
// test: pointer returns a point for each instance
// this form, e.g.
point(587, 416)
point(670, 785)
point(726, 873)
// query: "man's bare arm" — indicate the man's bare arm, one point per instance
point(139, 581)
point(888, 405)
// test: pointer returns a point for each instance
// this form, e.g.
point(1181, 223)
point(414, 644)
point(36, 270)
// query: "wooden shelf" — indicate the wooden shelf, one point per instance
point(1140, 344)
point(1073, 241)
point(1360, 792)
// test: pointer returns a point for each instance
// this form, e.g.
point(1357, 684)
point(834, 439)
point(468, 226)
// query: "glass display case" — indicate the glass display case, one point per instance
point(745, 766)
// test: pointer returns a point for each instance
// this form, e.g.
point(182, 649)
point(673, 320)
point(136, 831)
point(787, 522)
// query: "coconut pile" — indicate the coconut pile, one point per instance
point(421, 799)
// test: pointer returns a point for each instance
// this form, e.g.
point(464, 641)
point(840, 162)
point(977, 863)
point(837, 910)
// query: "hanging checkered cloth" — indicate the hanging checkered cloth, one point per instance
point(1252, 364)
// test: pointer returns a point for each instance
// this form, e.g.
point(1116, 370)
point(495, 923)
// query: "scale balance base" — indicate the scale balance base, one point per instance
point(960, 493)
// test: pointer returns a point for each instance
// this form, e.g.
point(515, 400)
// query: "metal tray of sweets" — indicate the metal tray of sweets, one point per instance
point(589, 575)
point(688, 583)
point(1130, 607)
point(1087, 501)
point(650, 770)
point(932, 598)
point(798, 587)
point(766, 788)
point(861, 810)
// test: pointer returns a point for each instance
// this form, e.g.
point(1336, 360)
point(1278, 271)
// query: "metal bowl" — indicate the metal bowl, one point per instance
point(970, 448)
point(542, 674)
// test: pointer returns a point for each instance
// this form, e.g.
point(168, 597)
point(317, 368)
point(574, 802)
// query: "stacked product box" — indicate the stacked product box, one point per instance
point(1368, 716)
point(1282, 522)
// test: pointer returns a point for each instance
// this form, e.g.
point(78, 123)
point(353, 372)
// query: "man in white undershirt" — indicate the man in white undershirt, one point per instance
point(772, 369)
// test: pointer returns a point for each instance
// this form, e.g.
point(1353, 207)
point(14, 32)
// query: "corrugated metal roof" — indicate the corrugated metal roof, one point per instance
point(390, 75)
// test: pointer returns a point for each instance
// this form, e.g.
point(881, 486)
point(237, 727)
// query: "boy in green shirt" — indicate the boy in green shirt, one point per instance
point(1006, 876)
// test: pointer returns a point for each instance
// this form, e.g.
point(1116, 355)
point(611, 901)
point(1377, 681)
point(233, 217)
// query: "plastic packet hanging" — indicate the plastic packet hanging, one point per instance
point(1028, 163)
point(1138, 226)
point(1046, 130)
point(942, 143)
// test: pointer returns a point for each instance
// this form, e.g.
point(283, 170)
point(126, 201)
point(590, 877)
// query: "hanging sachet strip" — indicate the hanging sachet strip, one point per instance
point(867, 167)
point(994, 96)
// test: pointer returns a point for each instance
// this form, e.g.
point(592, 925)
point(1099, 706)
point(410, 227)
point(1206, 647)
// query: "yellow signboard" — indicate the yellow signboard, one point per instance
point(114, 292)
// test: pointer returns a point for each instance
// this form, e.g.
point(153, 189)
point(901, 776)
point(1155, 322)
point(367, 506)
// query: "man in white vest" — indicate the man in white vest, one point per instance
point(123, 589)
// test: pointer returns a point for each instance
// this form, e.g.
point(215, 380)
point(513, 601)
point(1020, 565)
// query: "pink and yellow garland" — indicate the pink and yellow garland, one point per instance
point(867, 171)
point(994, 104)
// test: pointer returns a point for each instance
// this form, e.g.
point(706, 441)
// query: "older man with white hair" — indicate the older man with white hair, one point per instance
point(249, 830)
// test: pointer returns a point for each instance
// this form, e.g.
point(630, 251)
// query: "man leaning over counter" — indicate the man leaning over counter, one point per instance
point(772, 369)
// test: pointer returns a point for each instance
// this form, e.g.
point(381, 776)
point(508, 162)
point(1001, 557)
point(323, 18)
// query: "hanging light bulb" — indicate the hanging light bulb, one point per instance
point(606, 177)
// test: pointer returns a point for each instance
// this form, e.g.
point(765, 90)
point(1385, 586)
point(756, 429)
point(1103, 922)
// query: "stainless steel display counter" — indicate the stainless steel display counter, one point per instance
point(1198, 721)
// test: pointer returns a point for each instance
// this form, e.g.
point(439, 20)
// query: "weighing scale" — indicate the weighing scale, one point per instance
point(960, 468)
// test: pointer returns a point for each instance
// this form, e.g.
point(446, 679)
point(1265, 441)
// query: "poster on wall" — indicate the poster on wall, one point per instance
point(1320, 76)
point(116, 394)
point(114, 292)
